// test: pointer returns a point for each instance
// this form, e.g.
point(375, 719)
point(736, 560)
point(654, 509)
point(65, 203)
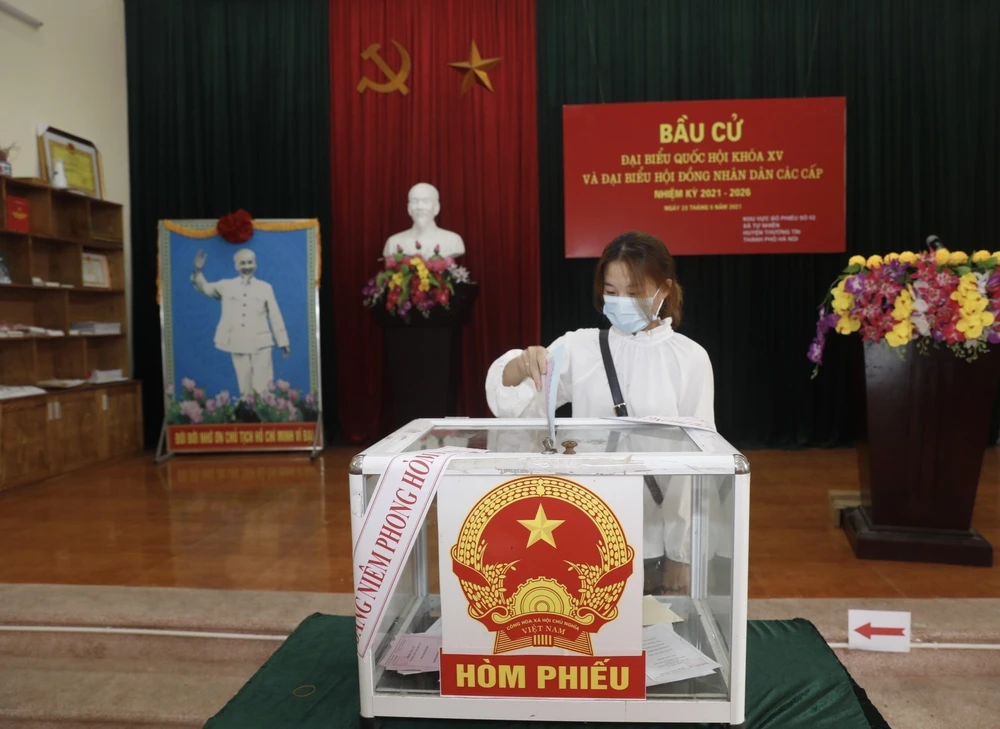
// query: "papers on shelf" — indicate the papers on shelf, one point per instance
point(670, 658)
point(9, 392)
point(60, 384)
point(693, 423)
point(654, 611)
point(414, 653)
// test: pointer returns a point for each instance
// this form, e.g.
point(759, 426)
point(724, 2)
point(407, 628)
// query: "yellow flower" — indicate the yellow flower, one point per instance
point(874, 262)
point(901, 334)
point(856, 261)
point(397, 279)
point(972, 326)
point(892, 257)
point(958, 258)
point(848, 324)
point(842, 300)
point(903, 307)
point(908, 257)
point(941, 256)
point(996, 255)
point(973, 305)
point(980, 256)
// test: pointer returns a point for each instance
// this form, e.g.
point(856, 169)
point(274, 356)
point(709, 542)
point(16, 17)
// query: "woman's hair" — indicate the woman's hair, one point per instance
point(647, 259)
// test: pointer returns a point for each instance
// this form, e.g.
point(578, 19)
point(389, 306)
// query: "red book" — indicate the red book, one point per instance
point(18, 217)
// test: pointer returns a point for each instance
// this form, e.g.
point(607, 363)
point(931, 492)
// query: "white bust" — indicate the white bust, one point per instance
point(423, 206)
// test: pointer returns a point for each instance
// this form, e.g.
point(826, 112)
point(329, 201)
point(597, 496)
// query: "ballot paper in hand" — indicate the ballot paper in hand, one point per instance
point(550, 388)
point(670, 658)
point(414, 653)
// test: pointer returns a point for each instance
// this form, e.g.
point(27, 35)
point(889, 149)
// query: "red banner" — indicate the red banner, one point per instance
point(241, 437)
point(550, 677)
point(707, 177)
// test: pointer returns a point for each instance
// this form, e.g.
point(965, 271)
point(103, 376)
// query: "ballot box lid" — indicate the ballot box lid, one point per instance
point(589, 442)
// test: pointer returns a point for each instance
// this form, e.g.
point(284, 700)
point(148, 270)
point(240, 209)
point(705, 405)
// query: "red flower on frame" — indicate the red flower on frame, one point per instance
point(236, 227)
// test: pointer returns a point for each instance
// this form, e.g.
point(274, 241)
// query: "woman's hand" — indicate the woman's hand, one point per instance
point(532, 364)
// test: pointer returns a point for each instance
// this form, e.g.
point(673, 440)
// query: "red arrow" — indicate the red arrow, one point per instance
point(868, 631)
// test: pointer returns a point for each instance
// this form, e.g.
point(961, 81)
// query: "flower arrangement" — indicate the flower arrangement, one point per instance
point(413, 282)
point(937, 297)
point(236, 227)
point(279, 403)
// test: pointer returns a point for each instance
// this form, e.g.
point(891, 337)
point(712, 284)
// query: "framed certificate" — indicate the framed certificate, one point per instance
point(96, 273)
point(80, 158)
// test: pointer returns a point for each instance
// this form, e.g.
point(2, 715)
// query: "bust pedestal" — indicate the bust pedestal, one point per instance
point(424, 357)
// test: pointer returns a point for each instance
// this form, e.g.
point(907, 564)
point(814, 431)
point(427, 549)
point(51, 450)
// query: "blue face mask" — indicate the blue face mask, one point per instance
point(626, 314)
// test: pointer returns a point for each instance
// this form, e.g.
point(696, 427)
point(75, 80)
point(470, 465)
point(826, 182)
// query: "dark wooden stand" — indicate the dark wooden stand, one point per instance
point(924, 424)
point(424, 357)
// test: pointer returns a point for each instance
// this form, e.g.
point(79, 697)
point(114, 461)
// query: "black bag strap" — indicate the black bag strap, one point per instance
point(620, 410)
point(609, 367)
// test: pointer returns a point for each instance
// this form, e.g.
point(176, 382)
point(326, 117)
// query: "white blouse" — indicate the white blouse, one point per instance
point(660, 372)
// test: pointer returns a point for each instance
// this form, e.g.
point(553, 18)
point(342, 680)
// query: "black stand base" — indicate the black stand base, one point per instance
point(368, 722)
point(906, 544)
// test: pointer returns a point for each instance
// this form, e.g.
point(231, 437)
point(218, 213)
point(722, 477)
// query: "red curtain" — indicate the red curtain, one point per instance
point(479, 149)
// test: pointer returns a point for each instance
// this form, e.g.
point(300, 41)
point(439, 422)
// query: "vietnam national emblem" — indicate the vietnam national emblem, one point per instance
point(543, 562)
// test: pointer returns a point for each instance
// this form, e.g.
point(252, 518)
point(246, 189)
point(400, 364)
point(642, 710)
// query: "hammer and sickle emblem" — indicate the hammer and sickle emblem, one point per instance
point(397, 79)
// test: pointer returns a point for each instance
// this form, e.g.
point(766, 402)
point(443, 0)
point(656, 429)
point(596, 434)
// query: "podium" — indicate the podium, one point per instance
point(424, 356)
point(499, 577)
point(924, 427)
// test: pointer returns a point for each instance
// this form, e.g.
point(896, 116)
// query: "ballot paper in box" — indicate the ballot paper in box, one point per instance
point(518, 561)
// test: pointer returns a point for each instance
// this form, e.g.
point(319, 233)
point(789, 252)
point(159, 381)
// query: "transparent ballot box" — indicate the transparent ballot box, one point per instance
point(597, 573)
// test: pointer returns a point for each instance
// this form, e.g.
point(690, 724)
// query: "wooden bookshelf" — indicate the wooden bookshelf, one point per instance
point(44, 435)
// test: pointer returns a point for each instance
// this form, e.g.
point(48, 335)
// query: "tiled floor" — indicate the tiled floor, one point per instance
point(282, 523)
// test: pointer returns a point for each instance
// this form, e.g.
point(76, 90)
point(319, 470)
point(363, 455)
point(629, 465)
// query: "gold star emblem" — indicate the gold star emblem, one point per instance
point(541, 527)
point(475, 69)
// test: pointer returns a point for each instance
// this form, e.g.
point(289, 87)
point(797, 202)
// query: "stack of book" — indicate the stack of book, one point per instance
point(92, 328)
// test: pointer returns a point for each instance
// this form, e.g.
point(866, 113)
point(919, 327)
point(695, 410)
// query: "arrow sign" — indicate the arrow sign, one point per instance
point(877, 630)
point(868, 631)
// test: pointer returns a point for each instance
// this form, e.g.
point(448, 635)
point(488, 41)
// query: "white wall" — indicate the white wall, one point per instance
point(68, 74)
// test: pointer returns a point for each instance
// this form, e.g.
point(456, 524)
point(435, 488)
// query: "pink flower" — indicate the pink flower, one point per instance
point(269, 398)
point(210, 406)
point(283, 386)
point(223, 398)
point(199, 393)
point(187, 383)
point(270, 385)
point(192, 410)
point(310, 399)
point(293, 395)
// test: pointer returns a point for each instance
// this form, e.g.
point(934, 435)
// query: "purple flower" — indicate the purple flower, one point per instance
point(816, 352)
point(854, 284)
point(199, 393)
point(293, 395)
point(405, 307)
point(210, 406)
point(269, 398)
point(251, 400)
point(187, 383)
point(310, 399)
point(223, 398)
point(283, 386)
point(993, 336)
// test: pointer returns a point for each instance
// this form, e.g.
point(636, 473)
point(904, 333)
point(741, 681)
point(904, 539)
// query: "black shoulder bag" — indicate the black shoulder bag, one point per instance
point(620, 410)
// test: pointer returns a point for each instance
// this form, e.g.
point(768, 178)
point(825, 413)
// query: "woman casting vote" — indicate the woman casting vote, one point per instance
point(659, 372)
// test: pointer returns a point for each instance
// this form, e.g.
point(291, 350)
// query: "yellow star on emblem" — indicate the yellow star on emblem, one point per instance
point(475, 69)
point(541, 527)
